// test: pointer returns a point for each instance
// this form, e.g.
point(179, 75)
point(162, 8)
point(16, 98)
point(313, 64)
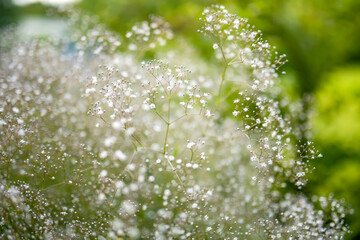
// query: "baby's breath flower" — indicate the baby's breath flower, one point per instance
point(167, 160)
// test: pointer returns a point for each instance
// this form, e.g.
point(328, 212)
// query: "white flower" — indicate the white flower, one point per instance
point(103, 173)
point(190, 144)
point(117, 125)
point(103, 154)
point(15, 110)
point(208, 113)
point(120, 155)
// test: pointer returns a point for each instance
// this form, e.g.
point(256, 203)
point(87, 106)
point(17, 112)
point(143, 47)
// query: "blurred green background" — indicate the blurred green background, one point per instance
point(321, 39)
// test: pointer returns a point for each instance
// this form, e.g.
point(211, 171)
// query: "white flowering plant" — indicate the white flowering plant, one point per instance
point(164, 152)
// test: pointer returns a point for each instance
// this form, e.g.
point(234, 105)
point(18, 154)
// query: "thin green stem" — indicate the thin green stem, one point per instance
point(177, 175)
point(185, 115)
point(224, 70)
point(167, 123)
point(55, 185)
point(222, 81)
point(218, 99)
point(161, 117)
point(120, 175)
point(166, 136)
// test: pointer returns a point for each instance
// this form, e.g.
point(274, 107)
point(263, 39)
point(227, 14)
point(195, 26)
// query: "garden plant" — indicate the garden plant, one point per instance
point(99, 141)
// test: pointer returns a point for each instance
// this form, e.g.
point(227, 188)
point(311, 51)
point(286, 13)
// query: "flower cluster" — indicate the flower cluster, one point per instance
point(149, 34)
point(264, 123)
point(239, 45)
point(159, 156)
point(91, 37)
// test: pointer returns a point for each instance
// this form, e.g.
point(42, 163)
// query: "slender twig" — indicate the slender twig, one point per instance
point(162, 118)
point(185, 115)
point(55, 185)
point(125, 170)
point(167, 123)
point(224, 70)
point(177, 175)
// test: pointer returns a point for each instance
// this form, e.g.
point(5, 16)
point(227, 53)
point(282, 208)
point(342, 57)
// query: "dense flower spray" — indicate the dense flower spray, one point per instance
point(160, 154)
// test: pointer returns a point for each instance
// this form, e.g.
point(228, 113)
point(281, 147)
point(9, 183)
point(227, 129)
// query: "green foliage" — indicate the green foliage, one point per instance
point(8, 13)
point(338, 104)
point(337, 130)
